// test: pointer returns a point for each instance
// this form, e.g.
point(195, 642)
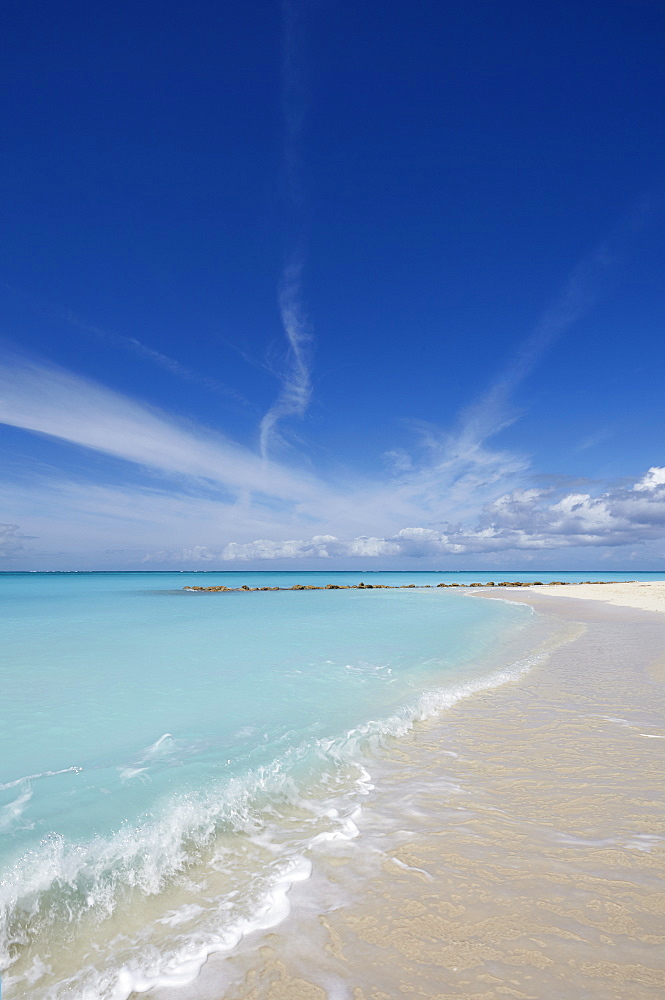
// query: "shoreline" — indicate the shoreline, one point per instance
point(515, 846)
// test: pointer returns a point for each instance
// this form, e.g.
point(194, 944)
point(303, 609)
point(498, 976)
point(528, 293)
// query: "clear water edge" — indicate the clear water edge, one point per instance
point(101, 908)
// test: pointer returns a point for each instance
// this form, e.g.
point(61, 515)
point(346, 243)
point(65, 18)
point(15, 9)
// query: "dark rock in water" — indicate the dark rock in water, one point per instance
point(385, 586)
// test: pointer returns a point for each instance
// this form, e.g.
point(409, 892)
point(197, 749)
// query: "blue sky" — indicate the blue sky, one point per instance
point(321, 284)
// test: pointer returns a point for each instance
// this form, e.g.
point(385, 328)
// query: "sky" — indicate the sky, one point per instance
point(320, 284)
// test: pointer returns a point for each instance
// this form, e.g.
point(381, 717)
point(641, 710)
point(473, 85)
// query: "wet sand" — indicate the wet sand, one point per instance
point(515, 847)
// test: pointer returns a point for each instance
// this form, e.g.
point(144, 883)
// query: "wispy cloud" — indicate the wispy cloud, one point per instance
point(296, 387)
point(460, 467)
point(54, 312)
point(295, 374)
point(62, 405)
point(142, 350)
point(592, 440)
point(494, 410)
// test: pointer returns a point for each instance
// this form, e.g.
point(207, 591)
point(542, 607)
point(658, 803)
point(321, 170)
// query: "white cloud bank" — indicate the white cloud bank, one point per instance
point(520, 520)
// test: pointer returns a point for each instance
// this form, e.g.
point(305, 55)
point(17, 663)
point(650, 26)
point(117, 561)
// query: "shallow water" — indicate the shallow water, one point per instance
point(512, 846)
point(170, 762)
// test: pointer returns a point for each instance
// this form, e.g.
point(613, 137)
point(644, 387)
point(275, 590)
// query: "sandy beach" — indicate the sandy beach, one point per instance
point(647, 596)
point(515, 847)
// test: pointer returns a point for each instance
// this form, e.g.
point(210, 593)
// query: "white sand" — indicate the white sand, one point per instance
point(648, 596)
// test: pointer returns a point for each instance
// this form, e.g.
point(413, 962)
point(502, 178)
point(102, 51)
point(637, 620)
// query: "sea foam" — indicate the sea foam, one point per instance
point(125, 870)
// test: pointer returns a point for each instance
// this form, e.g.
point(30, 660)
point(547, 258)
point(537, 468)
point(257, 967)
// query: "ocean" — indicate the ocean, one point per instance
point(172, 762)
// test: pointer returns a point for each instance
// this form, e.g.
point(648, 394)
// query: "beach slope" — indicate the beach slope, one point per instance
point(514, 847)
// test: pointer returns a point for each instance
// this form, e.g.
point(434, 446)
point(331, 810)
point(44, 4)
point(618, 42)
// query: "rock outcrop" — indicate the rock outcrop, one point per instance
point(389, 586)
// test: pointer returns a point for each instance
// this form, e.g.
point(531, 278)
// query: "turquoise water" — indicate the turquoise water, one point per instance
point(170, 760)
